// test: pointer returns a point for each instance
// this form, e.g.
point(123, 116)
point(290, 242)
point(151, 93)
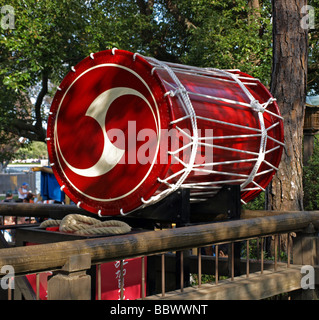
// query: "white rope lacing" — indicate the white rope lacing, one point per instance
point(178, 91)
point(260, 108)
point(181, 93)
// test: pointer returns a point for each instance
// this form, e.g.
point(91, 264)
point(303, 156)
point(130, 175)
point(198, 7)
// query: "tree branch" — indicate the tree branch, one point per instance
point(146, 8)
point(23, 124)
point(38, 104)
point(173, 9)
point(22, 128)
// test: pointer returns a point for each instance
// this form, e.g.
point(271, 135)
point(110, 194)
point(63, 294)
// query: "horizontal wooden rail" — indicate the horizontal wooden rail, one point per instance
point(55, 255)
point(54, 211)
point(58, 211)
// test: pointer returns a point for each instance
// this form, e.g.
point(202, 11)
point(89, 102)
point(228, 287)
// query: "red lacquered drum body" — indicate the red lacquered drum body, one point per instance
point(125, 130)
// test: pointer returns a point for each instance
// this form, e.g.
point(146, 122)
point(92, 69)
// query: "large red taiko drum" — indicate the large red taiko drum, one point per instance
point(125, 130)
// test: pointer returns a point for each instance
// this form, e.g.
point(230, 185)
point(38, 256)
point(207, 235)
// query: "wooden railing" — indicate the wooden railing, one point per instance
point(246, 278)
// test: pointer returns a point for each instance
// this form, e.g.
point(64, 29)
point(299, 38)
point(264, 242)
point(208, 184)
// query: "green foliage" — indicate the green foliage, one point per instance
point(311, 180)
point(47, 35)
point(34, 150)
point(254, 249)
point(206, 278)
point(256, 204)
point(229, 36)
point(313, 63)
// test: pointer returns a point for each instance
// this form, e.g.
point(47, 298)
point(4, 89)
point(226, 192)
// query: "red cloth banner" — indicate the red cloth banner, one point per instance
point(132, 279)
point(110, 280)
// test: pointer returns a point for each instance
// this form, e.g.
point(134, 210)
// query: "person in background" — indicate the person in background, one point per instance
point(23, 191)
point(9, 233)
point(8, 220)
point(9, 197)
point(38, 198)
point(29, 198)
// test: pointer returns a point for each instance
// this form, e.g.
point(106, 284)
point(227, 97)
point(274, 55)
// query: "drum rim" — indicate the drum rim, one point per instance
point(151, 182)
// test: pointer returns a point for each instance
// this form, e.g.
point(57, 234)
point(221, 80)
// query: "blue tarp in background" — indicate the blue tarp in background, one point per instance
point(50, 189)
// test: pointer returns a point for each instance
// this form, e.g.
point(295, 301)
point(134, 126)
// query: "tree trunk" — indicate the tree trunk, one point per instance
point(289, 78)
point(254, 7)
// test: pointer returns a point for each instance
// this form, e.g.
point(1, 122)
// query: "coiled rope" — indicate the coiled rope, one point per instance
point(83, 225)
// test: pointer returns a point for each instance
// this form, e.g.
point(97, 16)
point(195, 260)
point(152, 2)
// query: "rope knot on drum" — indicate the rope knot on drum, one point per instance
point(83, 225)
point(257, 106)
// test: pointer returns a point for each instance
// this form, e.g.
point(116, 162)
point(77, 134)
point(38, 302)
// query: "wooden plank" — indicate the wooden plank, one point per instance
point(249, 214)
point(48, 256)
point(255, 287)
point(58, 211)
point(305, 247)
point(23, 287)
point(69, 287)
point(54, 211)
point(40, 236)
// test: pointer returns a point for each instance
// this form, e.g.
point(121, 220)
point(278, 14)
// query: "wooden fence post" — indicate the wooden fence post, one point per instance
point(305, 253)
point(305, 247)
point(72, 282)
